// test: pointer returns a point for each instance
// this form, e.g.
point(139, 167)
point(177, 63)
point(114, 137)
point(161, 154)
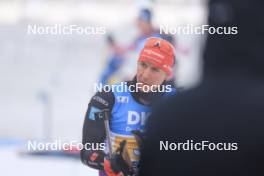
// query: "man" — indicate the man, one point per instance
point(227, 108)
point(117, 59)
point(129, 110)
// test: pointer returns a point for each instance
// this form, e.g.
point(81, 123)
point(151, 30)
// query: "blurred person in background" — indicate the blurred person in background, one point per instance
point(226, 108)
point(128, 111)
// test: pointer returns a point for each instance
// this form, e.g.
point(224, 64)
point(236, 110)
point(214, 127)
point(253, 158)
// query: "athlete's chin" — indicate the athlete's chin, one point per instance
point(143, 83)
point(145, 88)
point(144, 91)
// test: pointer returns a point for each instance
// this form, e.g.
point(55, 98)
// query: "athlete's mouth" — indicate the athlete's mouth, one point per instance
point(144, 83)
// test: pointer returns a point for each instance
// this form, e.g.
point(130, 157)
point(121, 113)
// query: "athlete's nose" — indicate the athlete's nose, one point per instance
point(145, 74)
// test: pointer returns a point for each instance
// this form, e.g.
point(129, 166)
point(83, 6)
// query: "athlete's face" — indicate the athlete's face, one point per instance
point(149, 75)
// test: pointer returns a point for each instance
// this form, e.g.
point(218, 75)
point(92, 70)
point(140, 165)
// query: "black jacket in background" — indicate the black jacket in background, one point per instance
point(227, 107)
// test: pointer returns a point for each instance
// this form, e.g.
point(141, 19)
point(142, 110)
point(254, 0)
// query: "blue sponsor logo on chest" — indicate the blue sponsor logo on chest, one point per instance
point(137, 118)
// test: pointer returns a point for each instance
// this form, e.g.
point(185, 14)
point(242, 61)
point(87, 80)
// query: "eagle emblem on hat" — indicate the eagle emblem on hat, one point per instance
point(157, 44)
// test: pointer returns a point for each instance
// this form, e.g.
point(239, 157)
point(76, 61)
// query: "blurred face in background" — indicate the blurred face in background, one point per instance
point(144, 27)
point(149, 75)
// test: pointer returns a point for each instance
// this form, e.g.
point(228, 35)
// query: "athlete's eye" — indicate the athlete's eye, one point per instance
point(143, 64)
point(154, 69)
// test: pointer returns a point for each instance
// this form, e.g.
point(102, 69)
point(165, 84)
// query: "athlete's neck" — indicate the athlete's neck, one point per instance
point(145, 98)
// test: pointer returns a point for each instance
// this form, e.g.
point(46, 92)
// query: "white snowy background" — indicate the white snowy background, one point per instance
point(46, 81)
